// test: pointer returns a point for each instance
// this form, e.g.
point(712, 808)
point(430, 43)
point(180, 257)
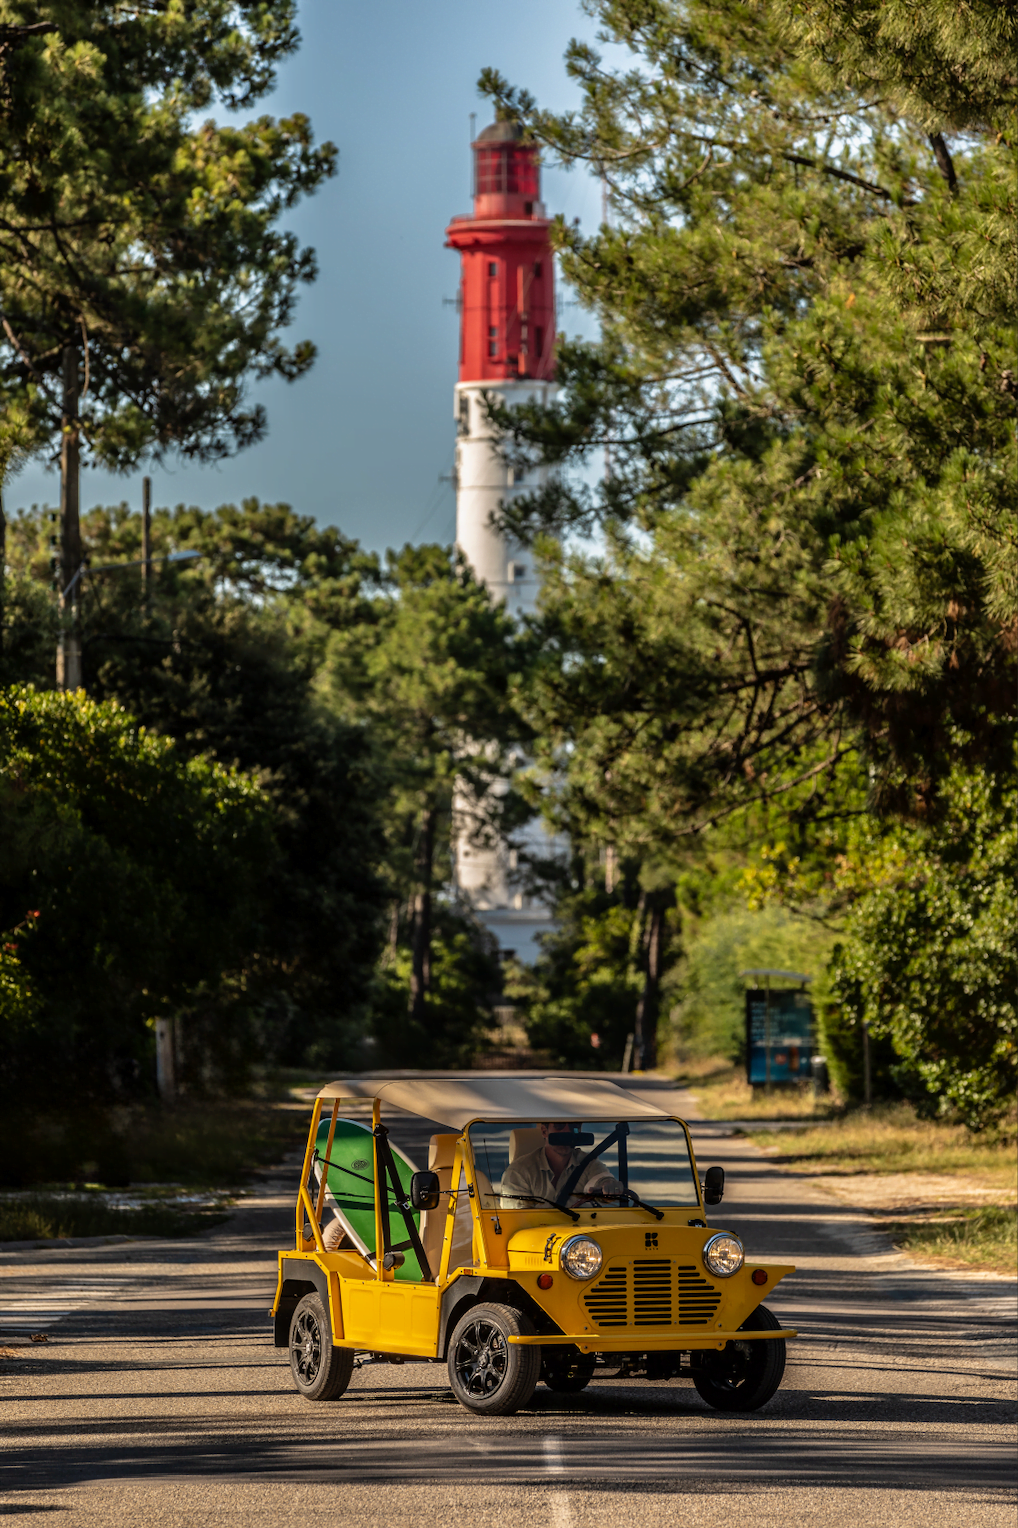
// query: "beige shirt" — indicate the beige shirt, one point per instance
point(532, 1174)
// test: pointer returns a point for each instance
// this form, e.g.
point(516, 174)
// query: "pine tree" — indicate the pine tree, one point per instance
point(143, 276)
point(807, 385)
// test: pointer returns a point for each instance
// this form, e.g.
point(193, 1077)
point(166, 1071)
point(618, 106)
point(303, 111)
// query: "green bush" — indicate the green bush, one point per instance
point(709, 993)
point(931, 957)
point(129, 889)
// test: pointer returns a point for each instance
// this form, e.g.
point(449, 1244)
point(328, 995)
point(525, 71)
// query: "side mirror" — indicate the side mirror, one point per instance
point(713, 1185)
point(424, 1191)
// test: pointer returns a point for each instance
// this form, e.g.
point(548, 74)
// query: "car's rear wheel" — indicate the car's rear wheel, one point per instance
point(744, 1375)
point(320, 1371)
point(489, 1374)
point(567, 1370)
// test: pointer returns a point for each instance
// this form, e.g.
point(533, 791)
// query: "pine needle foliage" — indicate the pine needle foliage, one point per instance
point(145, 239)
point(806, 386)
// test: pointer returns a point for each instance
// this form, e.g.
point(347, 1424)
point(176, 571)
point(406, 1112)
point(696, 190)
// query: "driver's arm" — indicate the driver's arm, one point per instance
point(515, 1180)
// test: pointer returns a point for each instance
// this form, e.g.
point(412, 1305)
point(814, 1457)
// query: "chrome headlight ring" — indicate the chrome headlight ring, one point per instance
point(723, 1254)
point(580, 1257)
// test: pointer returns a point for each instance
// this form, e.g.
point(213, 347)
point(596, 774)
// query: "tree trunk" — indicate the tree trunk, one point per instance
point(69, 640)
point(3, 568)
point(649, 1007)
point(420, 973)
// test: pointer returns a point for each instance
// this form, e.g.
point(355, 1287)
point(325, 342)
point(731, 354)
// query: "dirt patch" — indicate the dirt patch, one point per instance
point(911, 1191)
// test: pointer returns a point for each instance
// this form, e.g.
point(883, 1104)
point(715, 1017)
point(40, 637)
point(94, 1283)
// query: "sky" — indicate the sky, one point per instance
point(366, 439)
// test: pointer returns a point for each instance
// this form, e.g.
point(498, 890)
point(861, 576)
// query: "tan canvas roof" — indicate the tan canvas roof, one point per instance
point(456, 1101)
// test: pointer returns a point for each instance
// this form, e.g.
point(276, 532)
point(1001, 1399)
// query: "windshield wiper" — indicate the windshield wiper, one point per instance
point(642, 1203)
point(542, 1200)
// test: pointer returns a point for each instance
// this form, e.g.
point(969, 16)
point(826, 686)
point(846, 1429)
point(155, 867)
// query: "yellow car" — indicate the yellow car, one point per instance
point(560, 1227)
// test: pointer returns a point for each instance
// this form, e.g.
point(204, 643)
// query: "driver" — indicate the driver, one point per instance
point(544, 1172)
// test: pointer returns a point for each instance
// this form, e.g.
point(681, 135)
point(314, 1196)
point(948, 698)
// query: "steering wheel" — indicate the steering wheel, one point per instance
point(615, 1194)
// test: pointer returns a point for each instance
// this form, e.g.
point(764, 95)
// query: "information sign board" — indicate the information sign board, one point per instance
point(779, 1036)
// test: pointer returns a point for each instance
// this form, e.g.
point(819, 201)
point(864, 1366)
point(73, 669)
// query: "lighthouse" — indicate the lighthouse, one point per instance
point(507, 339)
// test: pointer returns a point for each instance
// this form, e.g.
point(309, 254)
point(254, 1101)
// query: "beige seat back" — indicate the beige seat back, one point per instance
point(523, 1140)
point(441, 1150)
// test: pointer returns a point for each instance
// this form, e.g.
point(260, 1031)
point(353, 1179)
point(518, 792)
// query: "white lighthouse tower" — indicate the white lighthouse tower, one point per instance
point(507, 335)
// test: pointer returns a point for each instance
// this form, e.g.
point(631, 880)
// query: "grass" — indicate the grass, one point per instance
point(826, 1139)
point(890, 1139)
point(43, 1217)
point(207, 1144)
point(961, 1238)
point(874, 1143)
point(722, 1092)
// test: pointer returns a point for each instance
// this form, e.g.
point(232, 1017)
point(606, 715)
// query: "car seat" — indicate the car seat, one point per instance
point(523, 1140)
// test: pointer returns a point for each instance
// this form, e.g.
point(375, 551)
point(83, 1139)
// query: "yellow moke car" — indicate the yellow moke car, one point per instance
point(559, 1228)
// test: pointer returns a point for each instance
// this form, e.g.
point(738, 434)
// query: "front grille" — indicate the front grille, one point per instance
point(608, 1300)
point(652, 1292)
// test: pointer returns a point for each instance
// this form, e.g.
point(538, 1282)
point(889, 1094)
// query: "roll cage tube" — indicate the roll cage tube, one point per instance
point(619, 1135)
point(403, 1204)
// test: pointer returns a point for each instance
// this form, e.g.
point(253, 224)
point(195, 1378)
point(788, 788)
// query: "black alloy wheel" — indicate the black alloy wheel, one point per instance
point(489, 1374)
point(566, 1370)
point(320, 1371)
point(744, 1375)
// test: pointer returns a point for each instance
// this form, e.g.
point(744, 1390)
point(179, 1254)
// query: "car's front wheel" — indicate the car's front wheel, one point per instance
point(744, 1375)
point(320, 1371)
point(489, 1374)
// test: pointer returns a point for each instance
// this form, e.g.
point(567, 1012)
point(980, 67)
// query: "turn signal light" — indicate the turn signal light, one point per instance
point(544, 1281)
point(759, 1276)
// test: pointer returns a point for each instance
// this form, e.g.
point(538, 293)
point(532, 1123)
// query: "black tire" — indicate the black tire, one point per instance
point(744, 1375)
point(490, 1375)
point(566, 1370)
point(320, 1371)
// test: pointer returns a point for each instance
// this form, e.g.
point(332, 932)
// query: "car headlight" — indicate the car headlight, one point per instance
point(580, 1257)
point(723, 1254)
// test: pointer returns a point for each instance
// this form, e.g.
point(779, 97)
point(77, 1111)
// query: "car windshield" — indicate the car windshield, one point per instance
point(582, 1164)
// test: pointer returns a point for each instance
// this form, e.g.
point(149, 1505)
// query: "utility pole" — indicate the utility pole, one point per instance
point(69, 640)
point(146, 536)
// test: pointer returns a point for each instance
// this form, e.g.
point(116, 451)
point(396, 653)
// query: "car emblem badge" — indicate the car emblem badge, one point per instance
point(650, 1239)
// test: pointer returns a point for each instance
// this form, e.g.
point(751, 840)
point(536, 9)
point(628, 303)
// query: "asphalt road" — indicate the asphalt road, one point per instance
point(159, 1399)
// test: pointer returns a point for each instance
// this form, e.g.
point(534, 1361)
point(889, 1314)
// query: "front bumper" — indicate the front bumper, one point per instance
point(674, 1341)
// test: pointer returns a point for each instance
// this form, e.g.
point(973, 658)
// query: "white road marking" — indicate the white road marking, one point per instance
point(553, 1460)
point(560, 1514)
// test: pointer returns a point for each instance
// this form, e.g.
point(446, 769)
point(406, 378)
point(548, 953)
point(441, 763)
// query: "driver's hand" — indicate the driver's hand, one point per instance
point(608, 1187)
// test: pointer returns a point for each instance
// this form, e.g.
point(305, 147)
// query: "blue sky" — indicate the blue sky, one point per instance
point(364, 440)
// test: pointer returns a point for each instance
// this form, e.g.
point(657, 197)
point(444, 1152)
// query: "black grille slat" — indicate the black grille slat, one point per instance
point(698, 1298)
point(607, 1301)
point(652, 1291)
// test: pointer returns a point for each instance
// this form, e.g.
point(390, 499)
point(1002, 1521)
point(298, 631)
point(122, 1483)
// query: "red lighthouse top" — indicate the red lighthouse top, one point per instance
point(507, 322)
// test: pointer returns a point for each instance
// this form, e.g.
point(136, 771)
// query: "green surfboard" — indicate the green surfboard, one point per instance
point(350, 1187)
